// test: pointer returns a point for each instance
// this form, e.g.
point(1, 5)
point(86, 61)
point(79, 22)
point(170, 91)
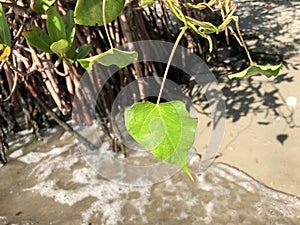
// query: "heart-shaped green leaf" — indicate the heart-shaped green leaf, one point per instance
point(111, 57)
point(167, 129)
point(39, 39)
point(55, 25)
point(59, 47)
point(5, 37)
point(89, 12)
point(252, 70)
point(42, 6)
point(146, 2)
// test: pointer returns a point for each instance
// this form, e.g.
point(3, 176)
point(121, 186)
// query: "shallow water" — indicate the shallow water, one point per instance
point(49, 182)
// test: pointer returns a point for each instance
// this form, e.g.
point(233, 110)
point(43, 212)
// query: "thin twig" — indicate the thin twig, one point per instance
point(64, 125)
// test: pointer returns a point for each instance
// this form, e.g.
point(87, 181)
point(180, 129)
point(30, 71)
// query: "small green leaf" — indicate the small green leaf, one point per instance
point(111, 57)
point(59, 47)
point(146, 2)
point(82, 51)
point(69, 26)
point(38, 38)
point(42, 6)
point(167, 129)
point(5, 37)
point(55, 25)
point(89, 12)
point(252, 70)
point(70, 54)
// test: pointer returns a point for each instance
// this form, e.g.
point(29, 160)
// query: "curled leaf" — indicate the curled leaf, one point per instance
point(252, 70)
point(167, 129)
point(111, 57)
point(59, 47)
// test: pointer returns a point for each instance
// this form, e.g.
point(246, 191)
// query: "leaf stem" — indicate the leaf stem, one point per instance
point(183, 29)
point(105, 25)
point(242, 40)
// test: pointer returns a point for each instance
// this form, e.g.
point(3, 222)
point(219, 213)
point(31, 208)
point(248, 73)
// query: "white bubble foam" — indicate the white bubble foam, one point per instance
point(291, 101)
point(16, 153)
point(222, 193)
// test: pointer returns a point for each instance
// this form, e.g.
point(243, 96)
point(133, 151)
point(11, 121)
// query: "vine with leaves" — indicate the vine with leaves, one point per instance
point(59, 40)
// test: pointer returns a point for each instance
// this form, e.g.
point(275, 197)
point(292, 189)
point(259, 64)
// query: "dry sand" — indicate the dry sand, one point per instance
point(266, 143)
point(256, 148)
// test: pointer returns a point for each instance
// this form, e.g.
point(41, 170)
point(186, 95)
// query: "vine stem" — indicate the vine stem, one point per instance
point(183, 29)
point(242, 40)
point(105, 25)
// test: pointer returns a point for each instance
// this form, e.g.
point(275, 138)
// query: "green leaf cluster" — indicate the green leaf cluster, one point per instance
point(61, 32)
point(167, 129)
point(60, 37)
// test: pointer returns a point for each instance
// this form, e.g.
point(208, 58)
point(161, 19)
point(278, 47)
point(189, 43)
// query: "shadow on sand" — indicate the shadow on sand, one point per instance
point(272, 32)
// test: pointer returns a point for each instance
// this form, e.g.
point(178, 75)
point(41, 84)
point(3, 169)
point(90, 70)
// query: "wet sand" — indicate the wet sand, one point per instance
point(49, 182)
